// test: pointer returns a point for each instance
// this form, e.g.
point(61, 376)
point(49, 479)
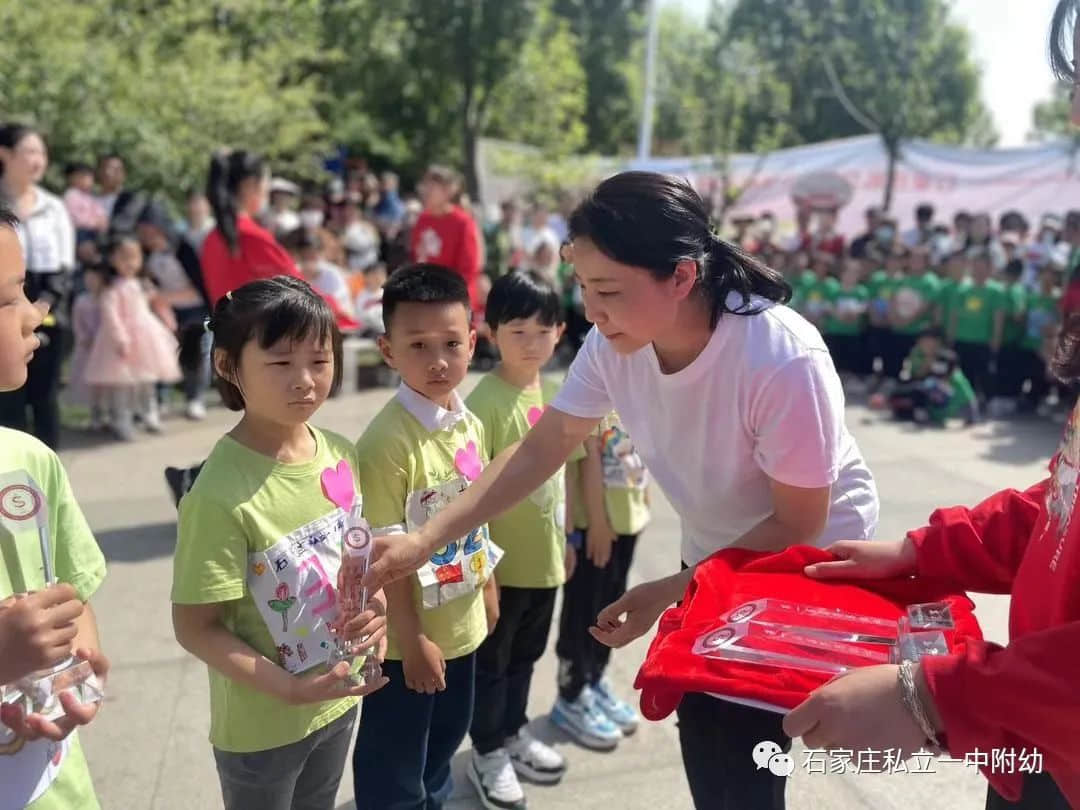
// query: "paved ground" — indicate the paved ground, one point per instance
point(149, 750)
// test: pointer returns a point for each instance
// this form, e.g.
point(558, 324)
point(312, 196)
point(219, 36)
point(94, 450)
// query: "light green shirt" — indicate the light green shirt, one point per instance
point(532, 534)
point(415, 453)
point(260, 538)
point(35, 493)
point(626, 481)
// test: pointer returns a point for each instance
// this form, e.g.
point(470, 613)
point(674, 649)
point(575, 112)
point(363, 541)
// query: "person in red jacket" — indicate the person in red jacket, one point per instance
point(239, 250)
point(446, 234)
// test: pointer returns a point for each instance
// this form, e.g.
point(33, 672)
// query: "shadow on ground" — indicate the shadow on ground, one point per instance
point(138, 543)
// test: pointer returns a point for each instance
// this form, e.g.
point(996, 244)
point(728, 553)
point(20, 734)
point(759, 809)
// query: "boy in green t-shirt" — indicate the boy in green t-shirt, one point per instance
point(419, 452)
point(817, 295)
point(977, 323)
point(1043, 314)
point(525, 316)
point(42, 766)
point(846, 322)
point(935, 388)
point(956, 272)
point(880, 286)
point(608, 499)
point(914, 300)
point(1010, 372)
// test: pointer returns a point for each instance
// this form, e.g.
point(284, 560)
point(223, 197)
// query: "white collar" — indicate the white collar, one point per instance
point(432, 416)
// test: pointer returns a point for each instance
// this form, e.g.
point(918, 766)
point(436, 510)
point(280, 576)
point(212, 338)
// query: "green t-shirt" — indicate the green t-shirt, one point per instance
point(260, 538)
point(35, 492)
point(801, 283)
point(626, 481)
point(1016, 296)
point(946, 296)
point(1042, 313)
point(532, 534)
point(409, 470)
point(854, 301)
point(880, 286)
point(817, 299)
point(913, 293)
point(974, 310)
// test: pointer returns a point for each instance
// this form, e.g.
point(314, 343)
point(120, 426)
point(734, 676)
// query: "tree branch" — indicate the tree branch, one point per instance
point(841, 95)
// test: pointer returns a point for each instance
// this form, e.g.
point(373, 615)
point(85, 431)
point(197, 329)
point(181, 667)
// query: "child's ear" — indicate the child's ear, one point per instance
point(560, 331)
point(384, 349)
point(221, 367)
point(472, 343)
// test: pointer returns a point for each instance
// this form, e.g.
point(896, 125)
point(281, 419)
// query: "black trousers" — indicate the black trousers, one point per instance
point(717, 738)
point(1040, 793)
point(876, 345)
point(504, 665)
point(847, 352)
point(898, 347)
point(583, 659)
point(1031, 366)
point(41, 394)
point(975, 363)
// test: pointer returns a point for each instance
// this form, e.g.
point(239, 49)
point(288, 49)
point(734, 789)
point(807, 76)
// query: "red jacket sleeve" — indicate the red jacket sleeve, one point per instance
point(468, 258)
point(267, 258)
point(1016, 697)
point(980, 549)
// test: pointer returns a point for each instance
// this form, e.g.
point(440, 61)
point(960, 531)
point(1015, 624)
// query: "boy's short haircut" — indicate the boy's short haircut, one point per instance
point(7, 215)
point(78, 168)
point(1015, 268)
point(422, 283)
point(522, 294)
point(301, 239)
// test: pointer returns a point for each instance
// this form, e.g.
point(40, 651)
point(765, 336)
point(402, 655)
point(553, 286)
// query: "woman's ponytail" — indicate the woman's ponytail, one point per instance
point(729, 269)
point(228, 170)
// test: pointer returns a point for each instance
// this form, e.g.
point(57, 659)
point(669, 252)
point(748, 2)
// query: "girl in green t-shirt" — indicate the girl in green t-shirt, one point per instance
point(977, 323)
point(846, 323)
point(259, 549)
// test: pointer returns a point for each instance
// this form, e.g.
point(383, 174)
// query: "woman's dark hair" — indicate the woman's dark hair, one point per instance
point(1062, 28)
point(522, 295)
point(228, 170)
point(11, 135)
point(155, 214)
point(655, 221)
point(8, 219)
point(267, 310)
point(422, 284)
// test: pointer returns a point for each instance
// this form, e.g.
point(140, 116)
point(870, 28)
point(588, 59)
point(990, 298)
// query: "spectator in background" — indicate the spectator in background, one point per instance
point(742, 223)
point(306, 248)
point(977, 323)
point(961, 230)
point(86, 212)
point(111, 175)
point(864, 243)
point(359, 238)
point(825, 238)
point(539, 230)
point(390, 210)
point(312, 212)
point(445, 233)
point(283, 196)
point(923, 231)
point(48, 240)
point(238, 250)
point(200, 220)
point(1070, 302)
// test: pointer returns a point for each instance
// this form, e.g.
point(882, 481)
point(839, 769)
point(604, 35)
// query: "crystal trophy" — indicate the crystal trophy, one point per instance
point(352, 596)
point(775, 632)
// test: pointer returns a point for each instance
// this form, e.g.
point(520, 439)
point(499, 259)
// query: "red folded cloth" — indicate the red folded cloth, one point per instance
point(734, 576)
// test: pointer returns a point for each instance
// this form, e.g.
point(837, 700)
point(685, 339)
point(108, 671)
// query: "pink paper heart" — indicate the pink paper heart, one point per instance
point(338, 485)
point(534, 415)
point(468, 462)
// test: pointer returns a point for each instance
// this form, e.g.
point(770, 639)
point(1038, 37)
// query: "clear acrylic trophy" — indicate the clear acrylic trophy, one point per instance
point(39, 692)
point(775, 632)
point(352, 596)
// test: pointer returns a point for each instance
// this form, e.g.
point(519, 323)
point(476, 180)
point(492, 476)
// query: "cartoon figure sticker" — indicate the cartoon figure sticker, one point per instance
point(623, 467)
point(282, 603)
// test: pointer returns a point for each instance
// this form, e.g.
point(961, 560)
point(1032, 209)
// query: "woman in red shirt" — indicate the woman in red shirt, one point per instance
point(989, 704)
point(446, 234)
point(239, 250)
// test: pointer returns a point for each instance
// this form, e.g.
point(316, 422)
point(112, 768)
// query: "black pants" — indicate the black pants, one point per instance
point(847, 352)
point(975, 363)
point(583, 659)
point(1010, 372)
point(876, 345)
point(1031, 366)
point(41, 394)
point(717, 738)
point(407, 740)
point(1040, 793)
point(898, 347)
point(504, 665)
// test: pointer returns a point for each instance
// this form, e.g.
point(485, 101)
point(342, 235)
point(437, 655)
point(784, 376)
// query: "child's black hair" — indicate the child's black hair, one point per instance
point(267, 310)
point(522, 294)
point(1014, 269)
point(422, 284)
point(112, 243)
point(78, 167)
point(300, 239)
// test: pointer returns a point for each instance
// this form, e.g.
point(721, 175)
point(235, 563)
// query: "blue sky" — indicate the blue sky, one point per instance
point(1010, 45)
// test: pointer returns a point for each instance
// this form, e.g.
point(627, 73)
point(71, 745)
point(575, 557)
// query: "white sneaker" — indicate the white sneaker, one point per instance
point(196, 410)
point(495, 781)
point(535, 760)
point(152, 421)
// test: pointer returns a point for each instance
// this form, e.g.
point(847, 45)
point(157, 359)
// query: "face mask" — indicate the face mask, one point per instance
point(311, 218)
point(884, 234)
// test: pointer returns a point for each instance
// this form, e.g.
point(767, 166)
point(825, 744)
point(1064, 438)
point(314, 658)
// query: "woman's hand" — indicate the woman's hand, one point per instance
point(394, 557)
point(642, 606)
point(862, 709)
point(867, 559)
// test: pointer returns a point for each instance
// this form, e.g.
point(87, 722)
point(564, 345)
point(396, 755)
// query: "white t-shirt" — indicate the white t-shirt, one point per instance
point(762, 400)
point(331, 281)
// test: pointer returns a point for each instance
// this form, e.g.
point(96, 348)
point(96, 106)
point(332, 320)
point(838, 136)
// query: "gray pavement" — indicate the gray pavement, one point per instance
point(148, 749)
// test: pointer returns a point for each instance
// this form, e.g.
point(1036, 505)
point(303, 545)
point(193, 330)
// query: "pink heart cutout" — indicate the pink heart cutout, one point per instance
point(338, 485)
point(468, 462)
point(534, 415)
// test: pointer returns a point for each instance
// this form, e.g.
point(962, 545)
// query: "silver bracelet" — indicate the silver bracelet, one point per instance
point(910, 696)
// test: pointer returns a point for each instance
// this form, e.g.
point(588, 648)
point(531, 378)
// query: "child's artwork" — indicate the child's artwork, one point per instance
point(294, 585)
point(623, 467)
point(464, 565)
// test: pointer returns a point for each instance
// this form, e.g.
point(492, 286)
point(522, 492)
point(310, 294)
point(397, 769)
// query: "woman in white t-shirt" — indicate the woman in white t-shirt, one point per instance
point(732, 402)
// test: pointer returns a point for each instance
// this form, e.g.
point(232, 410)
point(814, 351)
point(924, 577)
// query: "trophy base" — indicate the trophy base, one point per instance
point(39, 692)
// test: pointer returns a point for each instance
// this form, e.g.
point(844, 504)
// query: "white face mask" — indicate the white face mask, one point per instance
point(311, 218)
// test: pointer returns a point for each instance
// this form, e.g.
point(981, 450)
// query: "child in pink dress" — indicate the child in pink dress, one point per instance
point(133, 350)
point(85, 322)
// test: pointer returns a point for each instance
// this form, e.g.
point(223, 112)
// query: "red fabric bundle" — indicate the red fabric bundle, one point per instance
point(734, 576)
